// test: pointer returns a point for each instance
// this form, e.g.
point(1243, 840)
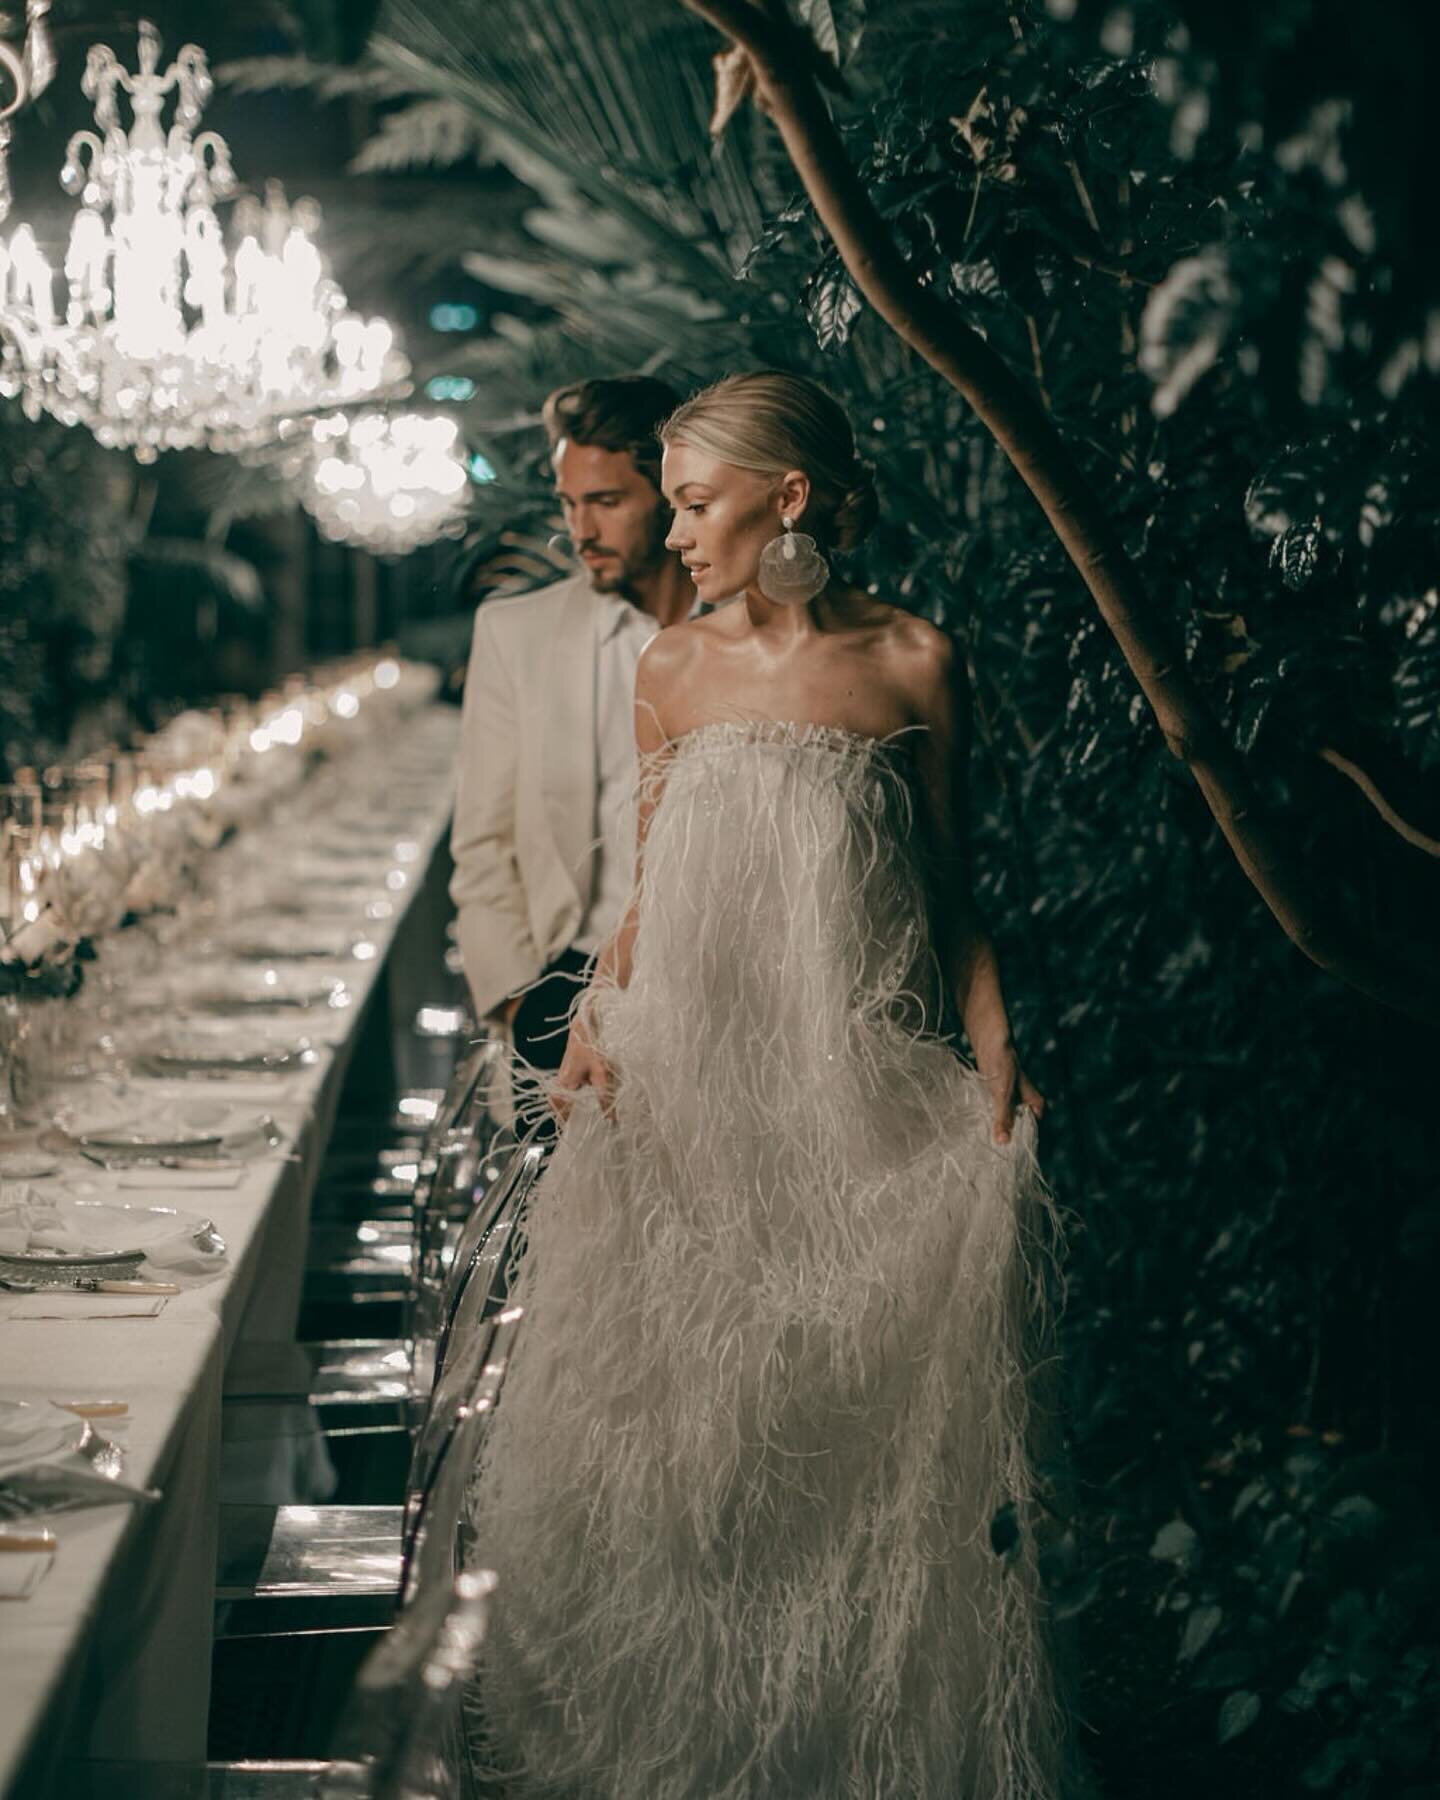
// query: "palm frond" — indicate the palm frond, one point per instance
point(227, 488)
point(266, 74)
point(426, 134)
point(203, 567)
point(583, 176)
point(614, 94)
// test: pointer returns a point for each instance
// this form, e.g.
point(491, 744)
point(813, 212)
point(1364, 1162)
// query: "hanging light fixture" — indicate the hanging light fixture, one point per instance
point(387, 483)
point(13, 71)
point(167, 341)
point(290, 330)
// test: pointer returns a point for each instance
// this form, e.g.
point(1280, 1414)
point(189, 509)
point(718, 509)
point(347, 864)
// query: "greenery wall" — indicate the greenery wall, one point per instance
point(1190, 231)
point(64, 536)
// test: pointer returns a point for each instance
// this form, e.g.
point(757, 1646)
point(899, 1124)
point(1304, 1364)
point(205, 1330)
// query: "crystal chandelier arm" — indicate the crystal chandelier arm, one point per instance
point(14, 67)
point(76, 174)
point(103, 74)
point(214, 175)
point(190, 74)
point(19, 334)
point(39, 50)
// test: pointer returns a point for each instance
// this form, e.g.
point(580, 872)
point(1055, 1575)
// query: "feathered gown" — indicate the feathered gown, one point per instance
point(774, 1384)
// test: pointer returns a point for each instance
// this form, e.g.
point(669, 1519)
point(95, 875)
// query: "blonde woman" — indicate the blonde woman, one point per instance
point(763, 1491)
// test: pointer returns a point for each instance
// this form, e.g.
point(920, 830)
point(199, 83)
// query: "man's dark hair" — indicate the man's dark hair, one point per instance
point(614, 412)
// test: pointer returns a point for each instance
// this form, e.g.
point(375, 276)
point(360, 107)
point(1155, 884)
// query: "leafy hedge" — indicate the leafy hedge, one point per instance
point(63, 539)
point(1201, 233)
point(1229, 328)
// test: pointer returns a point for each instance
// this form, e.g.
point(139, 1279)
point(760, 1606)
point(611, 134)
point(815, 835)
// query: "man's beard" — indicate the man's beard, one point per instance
point(610, 577)
point(618, 575)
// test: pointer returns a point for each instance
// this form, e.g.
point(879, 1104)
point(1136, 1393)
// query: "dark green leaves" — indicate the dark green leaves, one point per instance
point(1238, 1712)
point(832, 307)
point(837, 25)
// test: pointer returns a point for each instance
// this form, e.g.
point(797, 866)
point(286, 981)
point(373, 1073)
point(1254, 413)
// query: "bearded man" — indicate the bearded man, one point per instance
point(543, 837)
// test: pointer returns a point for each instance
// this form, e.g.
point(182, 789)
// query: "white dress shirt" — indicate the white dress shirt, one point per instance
point(622, 632)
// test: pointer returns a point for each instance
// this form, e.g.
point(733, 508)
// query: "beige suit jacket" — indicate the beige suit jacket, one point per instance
point(523, 837)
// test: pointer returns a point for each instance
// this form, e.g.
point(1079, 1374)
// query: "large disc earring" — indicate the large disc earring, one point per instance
point(792, 570)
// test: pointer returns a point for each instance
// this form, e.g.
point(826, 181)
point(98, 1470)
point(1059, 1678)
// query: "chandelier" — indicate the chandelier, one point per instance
point(167, 341)
point(384, 483)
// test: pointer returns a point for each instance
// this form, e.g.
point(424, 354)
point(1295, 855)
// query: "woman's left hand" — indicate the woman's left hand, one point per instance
point(1010, 1088)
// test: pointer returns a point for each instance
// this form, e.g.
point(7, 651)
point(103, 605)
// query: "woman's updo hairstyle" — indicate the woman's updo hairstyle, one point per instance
point(771, 422)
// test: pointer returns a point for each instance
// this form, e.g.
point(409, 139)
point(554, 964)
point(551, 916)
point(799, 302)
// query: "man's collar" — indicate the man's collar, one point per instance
point(617, 609)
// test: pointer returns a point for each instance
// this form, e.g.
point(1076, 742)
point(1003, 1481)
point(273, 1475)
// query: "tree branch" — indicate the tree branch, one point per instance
point(780, 55)
point(1412, 834)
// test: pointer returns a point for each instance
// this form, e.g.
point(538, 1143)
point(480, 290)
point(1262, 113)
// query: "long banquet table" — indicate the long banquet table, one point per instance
point(110, 1656)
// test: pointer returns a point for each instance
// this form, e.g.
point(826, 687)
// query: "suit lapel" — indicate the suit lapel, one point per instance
point(571, 775)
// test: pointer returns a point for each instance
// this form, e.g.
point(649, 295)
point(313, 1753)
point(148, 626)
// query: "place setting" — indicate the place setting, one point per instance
point(239, 988)
point(120, 1258)
point(121, 1126)
point(303, 940)
point(74, 1245)
point(210, 1049)
point(56, 1457)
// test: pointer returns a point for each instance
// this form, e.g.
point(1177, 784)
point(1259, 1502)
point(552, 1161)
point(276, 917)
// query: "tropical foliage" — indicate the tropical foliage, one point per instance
point(1201, 277)
point(64, 531)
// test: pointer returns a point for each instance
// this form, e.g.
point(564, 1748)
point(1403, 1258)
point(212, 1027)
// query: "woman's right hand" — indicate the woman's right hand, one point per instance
point(582, 1066)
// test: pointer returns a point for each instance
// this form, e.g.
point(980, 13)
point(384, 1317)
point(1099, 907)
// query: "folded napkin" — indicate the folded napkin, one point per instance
point(31, 1220)
point(152, 1115)
point(22, 1571)
point(75, 1303)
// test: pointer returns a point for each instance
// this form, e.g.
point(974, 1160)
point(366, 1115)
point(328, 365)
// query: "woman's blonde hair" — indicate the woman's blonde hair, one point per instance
point(771, 422)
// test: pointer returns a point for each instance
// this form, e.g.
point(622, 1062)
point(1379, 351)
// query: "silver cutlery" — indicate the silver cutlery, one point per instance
point(87, 1284)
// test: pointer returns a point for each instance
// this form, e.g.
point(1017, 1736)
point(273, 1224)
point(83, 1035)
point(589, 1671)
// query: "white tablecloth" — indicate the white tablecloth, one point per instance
point(110, 1656)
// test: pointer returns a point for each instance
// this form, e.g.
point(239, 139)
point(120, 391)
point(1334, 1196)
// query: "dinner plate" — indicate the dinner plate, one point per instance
point(252, 995)
point(136, 1226)
point(62, 1267)
point(221, 1050)
point(132, 1127)
point(107, 1231)
point(340, 877)
point(130, 1122)
point(285, 949)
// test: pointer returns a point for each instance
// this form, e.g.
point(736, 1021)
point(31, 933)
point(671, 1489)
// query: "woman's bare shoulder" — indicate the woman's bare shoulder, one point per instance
point(905, 633)
point(923, 664)
point(670, 649)
point(686, 642)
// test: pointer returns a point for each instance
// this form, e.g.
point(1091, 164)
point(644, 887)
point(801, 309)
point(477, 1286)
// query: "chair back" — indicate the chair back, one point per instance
point(485, 1251)
point(449, 1161)
point(435, 1500)
point(488, 1249)
point(402, 1736)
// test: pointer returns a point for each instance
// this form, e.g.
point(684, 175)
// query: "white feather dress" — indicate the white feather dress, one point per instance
point(783, 1318)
